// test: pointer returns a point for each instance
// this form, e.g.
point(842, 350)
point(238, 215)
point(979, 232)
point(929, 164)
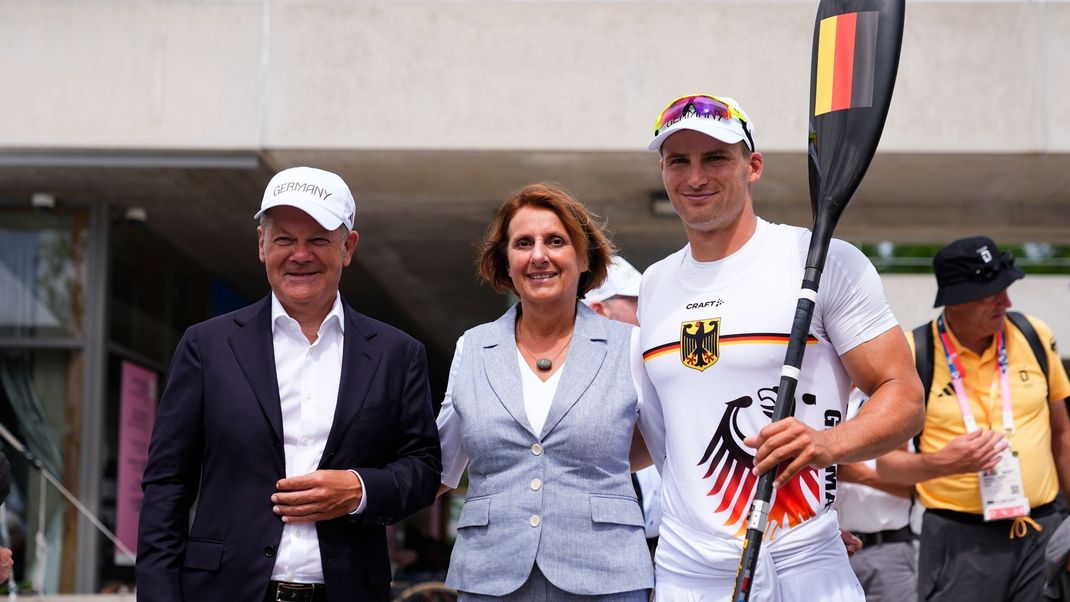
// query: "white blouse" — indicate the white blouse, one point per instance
point(538, 396)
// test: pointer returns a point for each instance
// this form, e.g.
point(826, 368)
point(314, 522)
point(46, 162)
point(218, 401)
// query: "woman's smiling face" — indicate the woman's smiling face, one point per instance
point(543, 263)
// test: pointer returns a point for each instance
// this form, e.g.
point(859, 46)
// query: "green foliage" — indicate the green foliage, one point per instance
point(1032, 258)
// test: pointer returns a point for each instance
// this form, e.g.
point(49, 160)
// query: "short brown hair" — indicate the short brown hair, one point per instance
point(582, 226)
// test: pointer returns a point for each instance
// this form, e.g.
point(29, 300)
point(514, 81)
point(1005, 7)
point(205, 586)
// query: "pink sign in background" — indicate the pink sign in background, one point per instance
point(137, 409)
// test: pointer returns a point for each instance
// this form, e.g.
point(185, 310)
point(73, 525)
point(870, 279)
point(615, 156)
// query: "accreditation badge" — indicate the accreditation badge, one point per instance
point(1002, 493)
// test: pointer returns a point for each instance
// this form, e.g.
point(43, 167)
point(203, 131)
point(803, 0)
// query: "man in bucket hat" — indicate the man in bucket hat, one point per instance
point(995, 449)
point(715, 318)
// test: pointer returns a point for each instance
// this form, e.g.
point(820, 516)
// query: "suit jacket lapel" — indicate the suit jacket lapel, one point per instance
point(585, 357)
point(254, 350)
point(360, 360)
point(502, 370)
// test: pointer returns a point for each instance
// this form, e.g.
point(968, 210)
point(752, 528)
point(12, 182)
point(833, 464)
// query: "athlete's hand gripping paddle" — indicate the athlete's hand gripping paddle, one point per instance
point(852, 73)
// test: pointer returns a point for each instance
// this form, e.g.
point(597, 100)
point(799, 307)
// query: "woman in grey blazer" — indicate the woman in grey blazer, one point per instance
point(541, 409)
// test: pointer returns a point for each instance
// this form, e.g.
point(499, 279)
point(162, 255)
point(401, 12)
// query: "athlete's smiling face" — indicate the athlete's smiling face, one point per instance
point(543, 263)
point(708, 181)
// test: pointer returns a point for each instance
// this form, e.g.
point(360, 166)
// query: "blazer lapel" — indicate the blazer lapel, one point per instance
point(360, 360)
point(254, 350)
point(502, 370)
point(585, 358)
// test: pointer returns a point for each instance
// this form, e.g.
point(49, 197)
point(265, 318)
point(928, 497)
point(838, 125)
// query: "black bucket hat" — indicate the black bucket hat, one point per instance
point(972, 268)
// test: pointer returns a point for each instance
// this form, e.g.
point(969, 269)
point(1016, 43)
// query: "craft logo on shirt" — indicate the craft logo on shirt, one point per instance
point(699, 343)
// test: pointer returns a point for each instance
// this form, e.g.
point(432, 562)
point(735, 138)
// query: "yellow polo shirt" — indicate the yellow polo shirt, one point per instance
point(1032, 436)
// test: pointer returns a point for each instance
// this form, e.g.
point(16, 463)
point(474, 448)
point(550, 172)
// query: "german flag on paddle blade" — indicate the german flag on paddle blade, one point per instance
point(846, 53)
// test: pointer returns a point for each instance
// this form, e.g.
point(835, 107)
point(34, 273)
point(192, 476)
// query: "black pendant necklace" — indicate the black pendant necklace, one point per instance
point(544, 364)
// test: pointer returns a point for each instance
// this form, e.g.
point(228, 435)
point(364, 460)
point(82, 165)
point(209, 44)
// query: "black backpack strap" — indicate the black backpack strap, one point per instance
point(923, 356)
point(923, 362)
point(1022, 323)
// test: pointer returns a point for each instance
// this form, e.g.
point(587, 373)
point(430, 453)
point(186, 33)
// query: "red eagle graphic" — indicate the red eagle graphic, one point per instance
point(730, 465)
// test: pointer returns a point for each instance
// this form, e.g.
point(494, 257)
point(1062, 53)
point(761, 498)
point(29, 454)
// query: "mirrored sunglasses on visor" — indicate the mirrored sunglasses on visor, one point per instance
point(702, 105)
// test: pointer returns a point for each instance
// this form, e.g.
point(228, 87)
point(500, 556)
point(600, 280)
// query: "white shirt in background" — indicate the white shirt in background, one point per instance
point(863, 509)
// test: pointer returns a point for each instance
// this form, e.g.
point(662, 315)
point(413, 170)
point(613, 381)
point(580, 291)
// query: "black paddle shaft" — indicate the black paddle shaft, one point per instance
point(785, 407)
point(844, 131)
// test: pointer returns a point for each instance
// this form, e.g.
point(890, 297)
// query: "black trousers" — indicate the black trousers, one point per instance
point(964, 558)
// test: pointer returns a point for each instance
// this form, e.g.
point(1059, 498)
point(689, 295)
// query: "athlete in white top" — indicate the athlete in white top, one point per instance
point(714, 322)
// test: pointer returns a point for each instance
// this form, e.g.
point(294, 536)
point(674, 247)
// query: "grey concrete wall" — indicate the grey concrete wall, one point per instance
point(976, 76)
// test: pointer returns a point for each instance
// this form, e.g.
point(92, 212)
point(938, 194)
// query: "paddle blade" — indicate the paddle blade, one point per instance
point(852, 73)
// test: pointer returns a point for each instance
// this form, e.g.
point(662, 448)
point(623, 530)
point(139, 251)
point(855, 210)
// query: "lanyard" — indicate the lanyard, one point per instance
point(960, 387)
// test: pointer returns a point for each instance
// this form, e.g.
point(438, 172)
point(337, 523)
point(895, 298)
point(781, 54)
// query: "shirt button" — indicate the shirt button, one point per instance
point(305, 440)
point(308, 397)
point(290, 577)
point(536, 484)
point(536, 449)
point(534, 520)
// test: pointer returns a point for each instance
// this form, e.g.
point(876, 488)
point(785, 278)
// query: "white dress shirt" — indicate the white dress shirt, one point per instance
point(308, 376)
point(863, 509)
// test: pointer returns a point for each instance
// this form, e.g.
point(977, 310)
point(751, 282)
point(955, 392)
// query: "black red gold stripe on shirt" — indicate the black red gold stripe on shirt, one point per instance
point(756, 338)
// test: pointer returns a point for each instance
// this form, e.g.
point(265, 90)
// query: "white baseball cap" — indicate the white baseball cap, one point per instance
point(319, 193)
point(622, 280)
point(719, 117)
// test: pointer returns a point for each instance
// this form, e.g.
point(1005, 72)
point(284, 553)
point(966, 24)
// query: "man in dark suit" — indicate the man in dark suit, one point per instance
point(303, 426)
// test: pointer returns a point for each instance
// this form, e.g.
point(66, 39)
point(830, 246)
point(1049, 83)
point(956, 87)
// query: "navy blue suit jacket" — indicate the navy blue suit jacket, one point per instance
point(218, 435)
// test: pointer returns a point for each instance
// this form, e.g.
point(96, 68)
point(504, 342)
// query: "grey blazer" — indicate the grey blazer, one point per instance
point(562, 498)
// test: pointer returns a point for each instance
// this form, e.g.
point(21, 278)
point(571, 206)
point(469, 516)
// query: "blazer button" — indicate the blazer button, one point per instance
point(536, 484)
point(269, 551)
point(534, 520)
point(536, 449)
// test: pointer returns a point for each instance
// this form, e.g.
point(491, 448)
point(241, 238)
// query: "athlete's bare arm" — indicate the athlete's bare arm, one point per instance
point(883, 368)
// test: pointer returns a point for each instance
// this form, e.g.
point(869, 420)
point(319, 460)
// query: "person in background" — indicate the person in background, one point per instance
point(878, 514)
point(299, 426)
point(541, 409)
point(995, 449)
point(618, 299)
